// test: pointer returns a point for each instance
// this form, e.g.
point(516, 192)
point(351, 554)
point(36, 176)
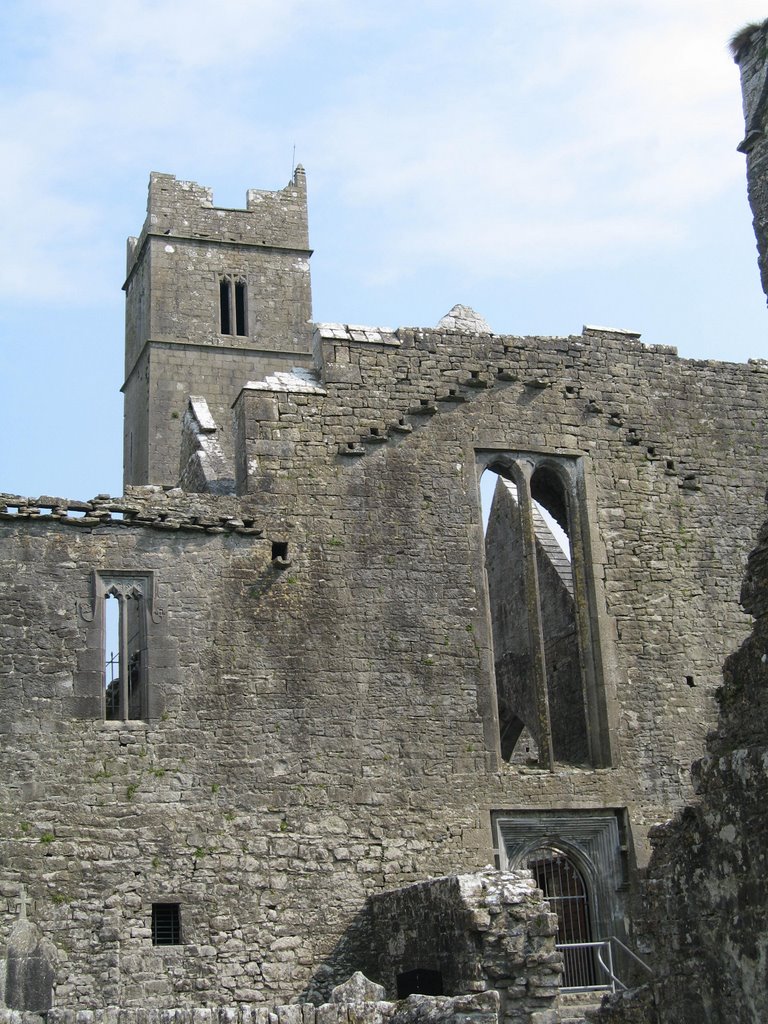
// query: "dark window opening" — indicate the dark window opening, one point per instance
point(166, 924)
point(240, 307)
point(690, 680)
point(233, 306)
point(279, 549)
point(224, 306)
point(421, 981)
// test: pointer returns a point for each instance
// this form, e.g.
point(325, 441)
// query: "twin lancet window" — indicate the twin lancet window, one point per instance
point(550, 699)
point(233, 305)
point(125, 646)
point(116, 660)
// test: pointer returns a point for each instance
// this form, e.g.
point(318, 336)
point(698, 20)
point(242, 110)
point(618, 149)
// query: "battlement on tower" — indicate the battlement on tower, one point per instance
point(185, 209)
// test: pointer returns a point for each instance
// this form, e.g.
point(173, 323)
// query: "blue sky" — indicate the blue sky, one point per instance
point(549, 162)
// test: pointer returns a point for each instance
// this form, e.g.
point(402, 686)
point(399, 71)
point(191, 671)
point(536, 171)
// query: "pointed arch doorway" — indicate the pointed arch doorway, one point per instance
point(576, 859)
point(563, 885)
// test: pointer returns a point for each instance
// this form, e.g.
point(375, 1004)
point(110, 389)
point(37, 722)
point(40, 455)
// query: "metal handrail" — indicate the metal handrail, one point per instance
point(600, 946)
point(634, 955)
point(609, 967)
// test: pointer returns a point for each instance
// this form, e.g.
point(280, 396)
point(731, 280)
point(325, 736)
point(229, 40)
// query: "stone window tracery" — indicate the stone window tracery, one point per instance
point(121, 611)
point(550, 697)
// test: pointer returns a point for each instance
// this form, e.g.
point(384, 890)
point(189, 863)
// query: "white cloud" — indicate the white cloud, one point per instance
point(107, 89)
point(608, 131)
point(549, 131)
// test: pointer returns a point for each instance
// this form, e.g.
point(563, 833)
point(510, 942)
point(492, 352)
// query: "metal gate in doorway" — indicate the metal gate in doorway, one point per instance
point(563, 886)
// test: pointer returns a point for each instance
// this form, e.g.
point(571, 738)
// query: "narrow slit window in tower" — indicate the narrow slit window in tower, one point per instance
point(225, 305)
point(240, 308)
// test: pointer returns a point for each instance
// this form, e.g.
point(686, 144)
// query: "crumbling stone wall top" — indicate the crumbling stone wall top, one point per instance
point(143, 507)
point(475, 932)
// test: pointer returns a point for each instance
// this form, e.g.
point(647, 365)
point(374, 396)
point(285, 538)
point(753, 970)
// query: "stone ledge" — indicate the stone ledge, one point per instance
point(119, 513)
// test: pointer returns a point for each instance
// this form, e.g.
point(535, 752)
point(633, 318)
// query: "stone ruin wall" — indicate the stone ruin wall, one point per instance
point(322, 725)
point(485, 932)
point(704, 896)
point(495, 960)
point(324, 730)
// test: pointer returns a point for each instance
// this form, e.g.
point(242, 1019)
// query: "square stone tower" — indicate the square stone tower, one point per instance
point(214, 298)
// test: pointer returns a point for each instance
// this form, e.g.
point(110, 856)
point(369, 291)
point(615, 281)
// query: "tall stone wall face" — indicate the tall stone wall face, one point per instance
point(704, 896)
point(322, 723)
point(158, 390)
point(705, 890)
point(184, 282)
point(666, 509)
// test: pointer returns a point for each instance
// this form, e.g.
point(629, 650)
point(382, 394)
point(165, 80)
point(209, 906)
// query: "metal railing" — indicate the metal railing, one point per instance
point(587, 962)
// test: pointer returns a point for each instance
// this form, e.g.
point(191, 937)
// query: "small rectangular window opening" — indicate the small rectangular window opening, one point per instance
point(279, 549)
point(166, 924)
